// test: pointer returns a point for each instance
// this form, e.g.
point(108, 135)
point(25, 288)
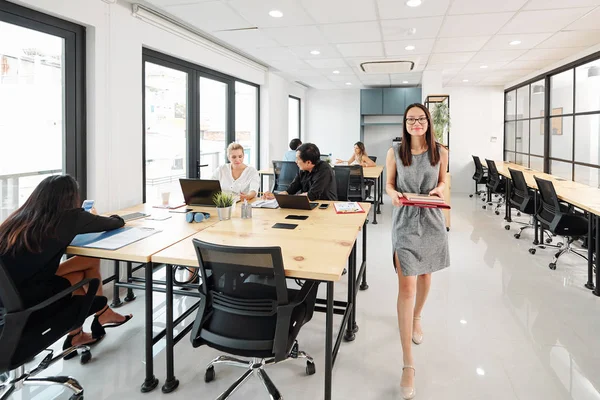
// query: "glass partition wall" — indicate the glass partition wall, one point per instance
point(552, 123)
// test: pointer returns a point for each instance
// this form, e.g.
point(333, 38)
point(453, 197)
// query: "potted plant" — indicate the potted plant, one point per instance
point(441, 121)
point(224, 203)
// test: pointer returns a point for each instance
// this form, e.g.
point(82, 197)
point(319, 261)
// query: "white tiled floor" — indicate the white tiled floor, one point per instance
point(498, 325)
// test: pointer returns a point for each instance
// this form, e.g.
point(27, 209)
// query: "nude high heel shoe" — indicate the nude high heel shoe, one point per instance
point(408, 392)
point(417, 338)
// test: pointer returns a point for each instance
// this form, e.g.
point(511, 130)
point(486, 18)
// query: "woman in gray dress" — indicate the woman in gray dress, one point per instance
point(419, 237)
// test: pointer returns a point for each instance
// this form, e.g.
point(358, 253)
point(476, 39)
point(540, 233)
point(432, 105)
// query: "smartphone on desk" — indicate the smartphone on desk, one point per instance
point(323, 206)
point(88, 205)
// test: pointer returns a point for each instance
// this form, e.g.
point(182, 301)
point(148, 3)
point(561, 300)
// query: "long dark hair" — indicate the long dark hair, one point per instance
point(405, 153)
point(37, 219)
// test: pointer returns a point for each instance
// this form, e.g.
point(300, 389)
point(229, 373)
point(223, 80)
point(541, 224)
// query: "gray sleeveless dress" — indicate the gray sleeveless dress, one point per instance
point(419, 235)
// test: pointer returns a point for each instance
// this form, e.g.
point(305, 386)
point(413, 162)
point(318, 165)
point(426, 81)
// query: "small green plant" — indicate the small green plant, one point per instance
point(223, 200)
point(328, 160)
point(441, 121)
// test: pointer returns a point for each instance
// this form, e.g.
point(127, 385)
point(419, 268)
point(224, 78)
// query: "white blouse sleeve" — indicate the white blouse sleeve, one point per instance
point(217, 174)
point(253, 180)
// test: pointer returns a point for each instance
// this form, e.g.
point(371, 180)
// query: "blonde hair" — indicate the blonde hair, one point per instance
point(234, 146)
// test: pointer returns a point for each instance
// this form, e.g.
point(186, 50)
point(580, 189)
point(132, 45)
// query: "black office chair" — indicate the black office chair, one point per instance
point(350, 183)
point(285, 172)
point(480, 177)
point(370, 182)
point(26, 332)
point(496, 185)
point(560, 219)
point(522, 198)
point(247, 310)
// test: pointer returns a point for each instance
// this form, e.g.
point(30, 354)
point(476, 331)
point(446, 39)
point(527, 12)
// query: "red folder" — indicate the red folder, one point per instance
point(424, 202)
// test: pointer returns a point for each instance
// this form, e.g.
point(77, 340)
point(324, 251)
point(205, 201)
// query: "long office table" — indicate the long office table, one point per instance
point(324, 230)
point(578, 194)
point(375, 173)
point(317, 249)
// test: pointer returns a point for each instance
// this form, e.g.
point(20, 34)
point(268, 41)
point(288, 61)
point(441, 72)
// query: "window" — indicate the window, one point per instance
point(293, 118)
point(191, 114)
point(42, 74)
point(566, 137)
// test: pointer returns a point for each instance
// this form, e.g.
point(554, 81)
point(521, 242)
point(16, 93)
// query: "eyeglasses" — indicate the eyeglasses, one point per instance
point(422, 120)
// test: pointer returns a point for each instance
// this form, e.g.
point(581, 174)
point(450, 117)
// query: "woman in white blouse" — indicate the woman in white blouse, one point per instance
point(237, 177)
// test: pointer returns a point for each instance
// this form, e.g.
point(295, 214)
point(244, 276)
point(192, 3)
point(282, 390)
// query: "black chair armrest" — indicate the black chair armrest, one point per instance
point(93, 288)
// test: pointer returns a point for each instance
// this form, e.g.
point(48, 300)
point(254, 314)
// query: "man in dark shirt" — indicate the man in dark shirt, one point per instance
point(315, 178)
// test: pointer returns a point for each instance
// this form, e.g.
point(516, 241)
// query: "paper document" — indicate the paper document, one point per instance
point(113, 240)
point(265, 204)
point(348, 208)
point(417, 198)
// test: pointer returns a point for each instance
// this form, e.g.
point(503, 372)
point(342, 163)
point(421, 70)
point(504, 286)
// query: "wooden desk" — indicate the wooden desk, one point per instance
point(317, 249)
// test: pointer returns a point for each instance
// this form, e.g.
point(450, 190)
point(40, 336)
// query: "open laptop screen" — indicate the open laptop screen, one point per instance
point(199, 192)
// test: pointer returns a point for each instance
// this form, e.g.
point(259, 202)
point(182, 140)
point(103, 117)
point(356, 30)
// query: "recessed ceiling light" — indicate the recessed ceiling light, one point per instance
point(411, 31)
point(465, 80)
point(404, 81)
point(336, 72)
point(409, 47)
point(515, 42)
point(462, 321)
point(483, 66)
point(315, 52)
point(275, 13)
point(348, 83)
point(413, 3)
point(480, 371)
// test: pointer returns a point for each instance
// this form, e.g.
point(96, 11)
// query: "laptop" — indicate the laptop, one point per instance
point(295, 202)
point(199, 192)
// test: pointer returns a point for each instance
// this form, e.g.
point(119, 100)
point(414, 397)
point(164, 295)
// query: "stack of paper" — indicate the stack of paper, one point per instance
point(113, 240)
point(265, 204)
point(348, 208)
point(423, 200)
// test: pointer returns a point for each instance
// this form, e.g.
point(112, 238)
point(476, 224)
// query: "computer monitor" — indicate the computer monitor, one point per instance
point(295, 202)
point(199, 192)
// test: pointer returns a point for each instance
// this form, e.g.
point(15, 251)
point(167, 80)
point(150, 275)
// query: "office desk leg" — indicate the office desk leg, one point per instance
point(363, 284)
point(380, 201)
point(590, 236)
point(151, 382)
point(351, 327)
point(375, 201)
point(171, 382)
point(329, 341)
point(597, 289)
point(507, 210)
point(116, 299)
point(535, 221)
point(130, 295)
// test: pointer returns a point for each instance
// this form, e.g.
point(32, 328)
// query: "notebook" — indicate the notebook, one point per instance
point(265, 204)
point(423, 200)
point(350, 207)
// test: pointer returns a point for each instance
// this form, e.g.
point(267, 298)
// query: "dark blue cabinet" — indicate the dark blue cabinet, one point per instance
point(388, 101)
point(371, 102)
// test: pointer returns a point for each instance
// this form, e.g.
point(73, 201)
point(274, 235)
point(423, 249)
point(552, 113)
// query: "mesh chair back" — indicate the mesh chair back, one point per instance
point(373, 158)
point(493, 175)
point(520, 187)
point(550, 205)
point(350, 182)
point(479, 173)
point(285, 172)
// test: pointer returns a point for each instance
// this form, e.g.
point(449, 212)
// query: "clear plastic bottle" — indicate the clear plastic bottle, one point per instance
point(246, 210)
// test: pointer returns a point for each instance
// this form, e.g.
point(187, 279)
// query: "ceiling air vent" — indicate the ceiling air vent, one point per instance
point(387, 67)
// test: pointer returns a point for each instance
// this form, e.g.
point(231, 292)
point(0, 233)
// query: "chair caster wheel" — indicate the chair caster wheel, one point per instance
point(552, 266)
point(447, 229)
point(85, 357)
point(517, 236)
point(209, 375)
point(507, 227)
point(484, 207)
point(532, 251)
point(549, 240)
point(310, 368)
point(497, 212)
point(470, 195)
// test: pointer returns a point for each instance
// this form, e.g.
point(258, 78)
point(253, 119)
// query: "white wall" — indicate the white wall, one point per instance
point(114, 94)
point(476, 116)
point(333, 120)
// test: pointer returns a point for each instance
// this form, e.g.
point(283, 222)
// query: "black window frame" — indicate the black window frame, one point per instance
point(299, 115)
point(547, 78)
point(74, 36)
point(195, 72)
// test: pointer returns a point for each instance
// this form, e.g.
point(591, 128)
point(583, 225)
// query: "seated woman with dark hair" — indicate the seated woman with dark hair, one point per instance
point(358, 157)
point(35, 237)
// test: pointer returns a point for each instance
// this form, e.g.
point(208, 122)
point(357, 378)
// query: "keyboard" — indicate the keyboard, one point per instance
point(132, 216)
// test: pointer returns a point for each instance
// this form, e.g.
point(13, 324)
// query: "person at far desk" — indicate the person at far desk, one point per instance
point(359, 157)
point(290, 155)
point(315, 178)
point(237, 177)
point(35, 237)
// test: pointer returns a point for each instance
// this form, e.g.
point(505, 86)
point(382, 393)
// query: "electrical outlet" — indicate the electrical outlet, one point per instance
point(493, 139)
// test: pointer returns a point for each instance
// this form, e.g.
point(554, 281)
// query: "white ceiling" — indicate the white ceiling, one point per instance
point(455, 37)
